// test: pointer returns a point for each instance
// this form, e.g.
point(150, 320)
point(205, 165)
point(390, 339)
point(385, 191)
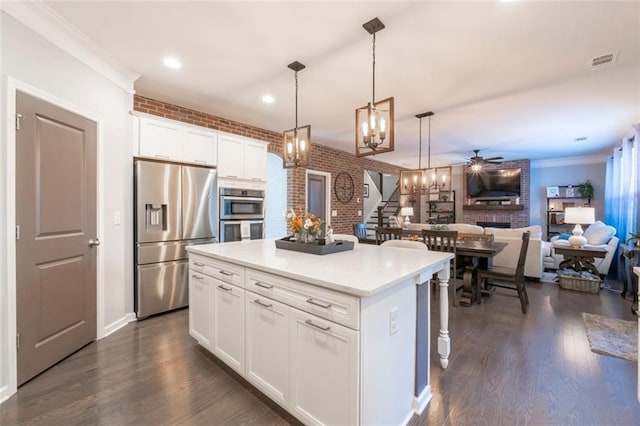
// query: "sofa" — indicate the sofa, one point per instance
point(598, 235)
point(508, 257)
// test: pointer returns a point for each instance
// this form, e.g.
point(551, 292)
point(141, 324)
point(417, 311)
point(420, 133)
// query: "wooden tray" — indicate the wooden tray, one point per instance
point(321, 248)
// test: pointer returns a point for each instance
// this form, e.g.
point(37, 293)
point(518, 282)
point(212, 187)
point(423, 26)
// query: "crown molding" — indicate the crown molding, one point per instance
point(43, 20)
point(569, 161)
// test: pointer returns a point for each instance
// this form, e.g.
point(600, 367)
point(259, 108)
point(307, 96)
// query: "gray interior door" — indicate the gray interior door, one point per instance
point(317, 195)
point(56, 248)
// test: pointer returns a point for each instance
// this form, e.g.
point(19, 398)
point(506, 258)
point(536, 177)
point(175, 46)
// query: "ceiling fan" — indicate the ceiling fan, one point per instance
point(477, 161)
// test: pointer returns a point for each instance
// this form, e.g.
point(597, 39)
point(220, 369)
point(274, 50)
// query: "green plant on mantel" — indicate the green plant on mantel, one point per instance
point(586, 189)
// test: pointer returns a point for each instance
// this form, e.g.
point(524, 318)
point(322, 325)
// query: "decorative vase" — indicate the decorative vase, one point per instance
point(305, 238)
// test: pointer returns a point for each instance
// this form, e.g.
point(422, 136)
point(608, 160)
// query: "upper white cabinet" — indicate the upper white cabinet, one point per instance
point(171, 140)
point(242, 159)
point(160, 139)
point(199, 147)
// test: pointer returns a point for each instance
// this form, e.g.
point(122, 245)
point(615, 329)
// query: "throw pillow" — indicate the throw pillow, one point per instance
point(599, 233)
point(564, 236)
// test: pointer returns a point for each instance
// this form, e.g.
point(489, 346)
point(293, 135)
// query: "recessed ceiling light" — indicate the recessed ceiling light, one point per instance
point(268, 99)
point(172, 63)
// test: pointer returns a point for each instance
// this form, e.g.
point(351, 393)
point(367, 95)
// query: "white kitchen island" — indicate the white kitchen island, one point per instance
point(336, 339)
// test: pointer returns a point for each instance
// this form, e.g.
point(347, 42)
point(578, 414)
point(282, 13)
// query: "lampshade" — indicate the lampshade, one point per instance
point(580, 215)
point(406, 211)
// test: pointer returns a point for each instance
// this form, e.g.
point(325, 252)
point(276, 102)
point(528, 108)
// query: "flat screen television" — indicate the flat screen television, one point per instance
point(494, 183)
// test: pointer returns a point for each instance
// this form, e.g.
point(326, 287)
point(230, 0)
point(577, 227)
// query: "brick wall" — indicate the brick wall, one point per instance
point(321, 158)
point(517, 218)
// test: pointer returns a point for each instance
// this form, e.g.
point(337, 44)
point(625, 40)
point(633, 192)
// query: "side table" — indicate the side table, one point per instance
point(580, 259)
point(630, 258)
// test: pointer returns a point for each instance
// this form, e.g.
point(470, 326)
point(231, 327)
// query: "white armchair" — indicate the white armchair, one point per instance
point(598, 235)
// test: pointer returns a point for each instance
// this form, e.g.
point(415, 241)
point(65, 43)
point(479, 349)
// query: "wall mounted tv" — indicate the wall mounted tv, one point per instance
point(494, 183)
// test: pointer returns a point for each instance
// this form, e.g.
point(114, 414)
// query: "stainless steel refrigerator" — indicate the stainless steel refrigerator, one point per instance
point(175, 206)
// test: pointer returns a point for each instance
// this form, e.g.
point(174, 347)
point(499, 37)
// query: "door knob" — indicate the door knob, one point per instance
point(93, 243)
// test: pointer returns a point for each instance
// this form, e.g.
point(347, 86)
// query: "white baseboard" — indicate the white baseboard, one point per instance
point(420, 402)
point(5, 394)
point(119, 323)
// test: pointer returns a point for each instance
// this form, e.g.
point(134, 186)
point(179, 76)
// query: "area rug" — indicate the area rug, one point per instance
point(613, 337)
point(549, 277)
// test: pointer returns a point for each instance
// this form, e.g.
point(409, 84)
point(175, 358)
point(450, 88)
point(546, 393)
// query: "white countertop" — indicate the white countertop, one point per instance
point(363, 271)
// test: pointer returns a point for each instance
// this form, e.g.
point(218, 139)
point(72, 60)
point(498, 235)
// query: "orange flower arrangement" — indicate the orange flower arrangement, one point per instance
point(306, 228)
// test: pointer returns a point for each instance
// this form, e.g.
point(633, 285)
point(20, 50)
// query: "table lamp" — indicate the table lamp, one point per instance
point(579, 216)
point(406, 212)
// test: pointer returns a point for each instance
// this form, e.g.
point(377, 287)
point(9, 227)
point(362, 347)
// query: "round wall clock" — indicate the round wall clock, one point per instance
point(343, 187)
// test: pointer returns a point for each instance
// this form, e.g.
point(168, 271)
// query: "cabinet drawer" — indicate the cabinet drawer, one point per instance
point(338, 307)
point(222, 271)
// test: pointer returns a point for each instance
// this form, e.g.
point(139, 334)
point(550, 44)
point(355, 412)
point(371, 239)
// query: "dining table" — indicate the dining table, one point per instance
point(474, 254)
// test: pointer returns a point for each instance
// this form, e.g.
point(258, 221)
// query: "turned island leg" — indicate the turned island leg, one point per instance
point(444, 343)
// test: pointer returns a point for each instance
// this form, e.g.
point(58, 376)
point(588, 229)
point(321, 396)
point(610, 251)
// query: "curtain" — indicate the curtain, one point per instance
point(622, 187)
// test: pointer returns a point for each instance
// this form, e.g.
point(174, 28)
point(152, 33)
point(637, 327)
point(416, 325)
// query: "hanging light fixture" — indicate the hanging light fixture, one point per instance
point(374, 122)
point(297, 141)
point(428, 180)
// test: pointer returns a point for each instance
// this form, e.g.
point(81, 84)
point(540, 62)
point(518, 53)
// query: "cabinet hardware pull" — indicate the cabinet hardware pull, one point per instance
point(259, 284)
point(201, 161)
point(197, 277)
point(322, 305)
point(232, 176)
point(225, 288)
point(166, 157)
point(198, 264)
point(327, 328)
point(258, 179)
point(265, 305)
point(227, 273)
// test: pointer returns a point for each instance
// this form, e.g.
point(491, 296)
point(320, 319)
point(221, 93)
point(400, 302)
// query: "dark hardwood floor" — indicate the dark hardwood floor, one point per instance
point(505, 368)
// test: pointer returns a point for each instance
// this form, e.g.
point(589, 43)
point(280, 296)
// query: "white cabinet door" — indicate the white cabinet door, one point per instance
point(255, 161)
point(230, 158)
point(267, 352)
point(199, 147)
point(325, 371)
point(160, 139)
point(200, 303)
point(228, 324)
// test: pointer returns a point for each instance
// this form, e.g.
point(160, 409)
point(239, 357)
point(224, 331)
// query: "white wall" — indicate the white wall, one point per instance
point(32, 61)
point(566, 171)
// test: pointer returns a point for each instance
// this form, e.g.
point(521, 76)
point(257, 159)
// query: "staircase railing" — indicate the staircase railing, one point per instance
point(393, 197)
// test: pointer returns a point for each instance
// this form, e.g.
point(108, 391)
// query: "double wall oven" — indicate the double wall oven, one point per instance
point(241, 214)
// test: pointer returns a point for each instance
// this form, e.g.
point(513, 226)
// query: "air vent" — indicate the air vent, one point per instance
point(603, 60)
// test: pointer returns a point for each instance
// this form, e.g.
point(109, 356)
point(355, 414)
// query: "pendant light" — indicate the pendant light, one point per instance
point(426, 180)
point(296, 142)
point(374, 122)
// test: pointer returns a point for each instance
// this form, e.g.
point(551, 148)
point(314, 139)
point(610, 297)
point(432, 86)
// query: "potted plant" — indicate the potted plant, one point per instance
point(586, 189)
point(634, 236)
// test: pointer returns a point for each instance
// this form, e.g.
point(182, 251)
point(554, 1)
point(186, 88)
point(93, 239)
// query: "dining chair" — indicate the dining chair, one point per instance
point(507, 278)
point(346, 237)
point(444, 241)
point(384, 234)
point(415, 245)
point(360, 230)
